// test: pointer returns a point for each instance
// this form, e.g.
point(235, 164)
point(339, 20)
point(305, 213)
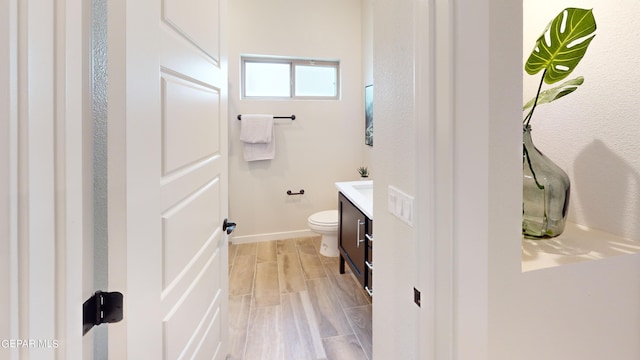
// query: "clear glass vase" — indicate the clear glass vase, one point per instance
point(545, 192)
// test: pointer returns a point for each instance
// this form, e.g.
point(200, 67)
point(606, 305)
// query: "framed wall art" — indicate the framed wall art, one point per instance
point(368, 115)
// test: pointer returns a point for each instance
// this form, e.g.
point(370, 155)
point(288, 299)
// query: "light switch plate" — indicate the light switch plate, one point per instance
point(400, 204)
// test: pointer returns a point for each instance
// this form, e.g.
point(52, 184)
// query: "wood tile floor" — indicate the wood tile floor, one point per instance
point(288, 302)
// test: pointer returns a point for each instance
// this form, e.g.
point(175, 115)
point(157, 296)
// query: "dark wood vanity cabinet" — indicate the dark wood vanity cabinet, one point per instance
point(368, 263)
point(355, 248)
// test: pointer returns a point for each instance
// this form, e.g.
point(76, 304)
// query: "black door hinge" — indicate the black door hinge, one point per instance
point(101, 308)
point(416, 296)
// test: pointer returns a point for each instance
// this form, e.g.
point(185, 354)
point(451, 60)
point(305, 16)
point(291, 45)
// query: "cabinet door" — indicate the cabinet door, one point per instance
point(351, 237)
point(368, 268)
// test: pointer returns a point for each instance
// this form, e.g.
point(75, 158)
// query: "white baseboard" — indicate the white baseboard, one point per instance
point(271, 236)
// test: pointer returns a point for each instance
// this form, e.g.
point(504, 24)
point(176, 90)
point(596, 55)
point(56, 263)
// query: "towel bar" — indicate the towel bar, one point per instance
point(292, 117)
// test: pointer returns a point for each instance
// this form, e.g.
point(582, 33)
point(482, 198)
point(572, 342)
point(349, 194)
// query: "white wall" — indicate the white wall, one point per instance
point(395, 316)
point(324, 144)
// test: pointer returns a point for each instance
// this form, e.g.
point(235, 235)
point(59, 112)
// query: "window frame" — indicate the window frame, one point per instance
point(292, 62)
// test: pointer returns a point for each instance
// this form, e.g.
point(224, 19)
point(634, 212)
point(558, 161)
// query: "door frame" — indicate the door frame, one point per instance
point(75, 131)
point(468, 70)
point(43, 180)
point(434, 109)
point(8, 172)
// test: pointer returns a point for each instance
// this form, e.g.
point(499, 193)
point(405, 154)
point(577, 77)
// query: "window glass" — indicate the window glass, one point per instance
point(267, 79)
point(270, 77)
point(316, 80)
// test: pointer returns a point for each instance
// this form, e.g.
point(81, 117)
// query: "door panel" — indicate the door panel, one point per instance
point(176, 187)
point(187, 227)
point(191, 137)
point(192, 20)
point(195, 310)
point(191, 117)
point(170, 78)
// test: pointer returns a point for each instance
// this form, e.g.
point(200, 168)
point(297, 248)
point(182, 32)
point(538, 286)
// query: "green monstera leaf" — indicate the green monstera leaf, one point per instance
point(562, 45)
point(556, 93)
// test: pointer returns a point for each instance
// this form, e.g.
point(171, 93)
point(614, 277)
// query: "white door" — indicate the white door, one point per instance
point(167, 170)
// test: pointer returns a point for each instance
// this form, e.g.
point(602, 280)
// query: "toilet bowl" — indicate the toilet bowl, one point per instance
point(325, 223)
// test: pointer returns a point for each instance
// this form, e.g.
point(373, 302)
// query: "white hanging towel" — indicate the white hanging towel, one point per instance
point(258, 136)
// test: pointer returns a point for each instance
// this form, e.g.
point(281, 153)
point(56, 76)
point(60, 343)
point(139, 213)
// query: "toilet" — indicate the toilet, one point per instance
point(325, 223)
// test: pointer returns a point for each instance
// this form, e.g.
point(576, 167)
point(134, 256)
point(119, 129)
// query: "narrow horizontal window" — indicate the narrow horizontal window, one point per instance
point(277, 78)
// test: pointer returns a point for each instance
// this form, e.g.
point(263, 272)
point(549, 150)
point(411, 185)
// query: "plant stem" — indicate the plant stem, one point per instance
point(527, 119)
point(528, 160)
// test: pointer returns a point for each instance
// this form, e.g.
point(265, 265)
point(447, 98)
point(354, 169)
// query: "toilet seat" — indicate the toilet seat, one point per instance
point(324, 219)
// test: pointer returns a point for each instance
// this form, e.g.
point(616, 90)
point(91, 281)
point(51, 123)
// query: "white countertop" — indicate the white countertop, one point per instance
point(360, 193)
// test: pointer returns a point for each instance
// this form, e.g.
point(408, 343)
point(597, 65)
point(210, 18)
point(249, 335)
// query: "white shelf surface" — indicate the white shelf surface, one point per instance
point(577, 243)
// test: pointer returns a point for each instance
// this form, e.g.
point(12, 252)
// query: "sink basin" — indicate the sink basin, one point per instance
point(360, 193)
point(365, 189)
